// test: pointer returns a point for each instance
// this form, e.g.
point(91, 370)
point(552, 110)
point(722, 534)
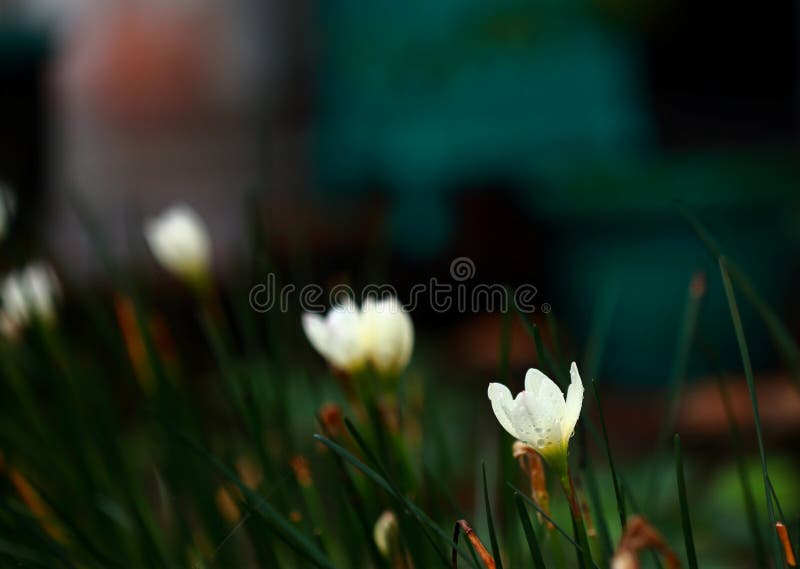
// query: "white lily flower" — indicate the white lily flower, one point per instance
point(390, 334)
point(381, 334)
point(540, 415)
point(338, 336)
point(28, 295)
point(180, 242)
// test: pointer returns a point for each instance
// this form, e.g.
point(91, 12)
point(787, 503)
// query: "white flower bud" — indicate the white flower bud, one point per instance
point(385, 533)
point(179, 240)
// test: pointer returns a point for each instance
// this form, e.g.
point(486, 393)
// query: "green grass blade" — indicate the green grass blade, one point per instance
point(780, 334)
point(751, 387)
point(593, 491)
point(599, 329)
point(756, 534)
point(534, 505)
point(546, 362)
point(627, 494)
point(490, 522)
point(677, 378)
point(530, 534)
point(783, 518)
point(418, 514)
point(356, 502)
point(617, 488)
point(686, 521)
point(299, 542)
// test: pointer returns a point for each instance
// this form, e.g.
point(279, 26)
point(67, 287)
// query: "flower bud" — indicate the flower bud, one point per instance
point(385, 533)
point(179, 240)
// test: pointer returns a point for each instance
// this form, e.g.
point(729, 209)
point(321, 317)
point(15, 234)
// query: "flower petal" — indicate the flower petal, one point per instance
point(316, 332)
point(346, 348)
point(503, 406)
point(574, 402)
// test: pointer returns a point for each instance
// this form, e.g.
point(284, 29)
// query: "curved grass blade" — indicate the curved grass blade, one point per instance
point(282, 527)
point(789, 551)
point(780, 334)
point(759, 548)
point(751, 387)
point(490, 521)
point(677, 378)
point(419, 515)
point(597, 506)
point(686, 521)
point(545, 358)
point(530, 502)
point(530, 534)
point(357, 503)
point(615, 480)
point(627, 493)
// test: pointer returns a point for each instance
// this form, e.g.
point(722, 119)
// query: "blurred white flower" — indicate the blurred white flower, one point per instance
point(389, 333)
point(8, 206)
point(28, 295)
point(179, 240)
point(381, 334)
point(540, 416)
point(385, 533)
point(338, 336)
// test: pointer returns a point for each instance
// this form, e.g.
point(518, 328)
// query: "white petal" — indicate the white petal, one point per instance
point(316, 332)
point(545, 416)
point(538, 384)
point(346, 347)
point(573, 403)
point(389, 333)
point(503, 405)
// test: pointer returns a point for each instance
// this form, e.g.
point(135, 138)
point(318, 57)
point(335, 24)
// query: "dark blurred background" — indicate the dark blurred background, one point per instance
point(545, 140)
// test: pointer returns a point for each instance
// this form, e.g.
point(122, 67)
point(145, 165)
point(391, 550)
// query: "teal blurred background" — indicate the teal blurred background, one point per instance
point(545, 140)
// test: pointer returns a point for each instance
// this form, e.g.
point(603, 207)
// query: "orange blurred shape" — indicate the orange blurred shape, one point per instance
point(783, 535)
point(638, 536)
point(142, 62)
point(134, 343)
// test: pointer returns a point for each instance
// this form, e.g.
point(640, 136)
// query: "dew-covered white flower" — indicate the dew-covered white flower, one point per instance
point(180, 242)
point(28, 295)
point(539, 415)
point(380, 335)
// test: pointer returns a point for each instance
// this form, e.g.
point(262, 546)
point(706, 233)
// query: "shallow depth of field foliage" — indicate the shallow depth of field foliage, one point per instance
point(137, 432)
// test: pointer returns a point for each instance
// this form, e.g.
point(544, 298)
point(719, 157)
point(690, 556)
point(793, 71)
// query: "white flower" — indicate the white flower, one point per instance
point(27, 295)
point(179, 240)
point(338, 336)
point(539, 415)
point(381, 334)
point(389, 332)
